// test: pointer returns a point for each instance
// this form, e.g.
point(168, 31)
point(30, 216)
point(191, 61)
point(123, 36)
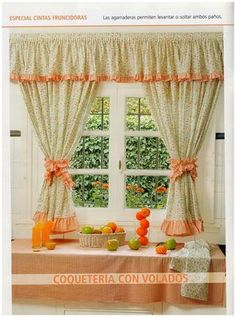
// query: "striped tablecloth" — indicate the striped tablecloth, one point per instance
point(68, 258)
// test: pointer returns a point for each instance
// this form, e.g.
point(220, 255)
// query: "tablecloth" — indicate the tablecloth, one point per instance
point(69, 258)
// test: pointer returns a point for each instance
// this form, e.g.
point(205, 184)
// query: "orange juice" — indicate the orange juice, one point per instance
point(37, 236)
point(46, 231)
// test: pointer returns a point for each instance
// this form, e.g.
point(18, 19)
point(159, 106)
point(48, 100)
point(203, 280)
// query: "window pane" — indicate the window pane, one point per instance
point(144, 107)
point(99, 116)
point(150, 191)
point(92, 152)
point(147, 123)
point(138, 115)
point(132, 104)
point(132, 122)
point(91, 190)
point(146, 153)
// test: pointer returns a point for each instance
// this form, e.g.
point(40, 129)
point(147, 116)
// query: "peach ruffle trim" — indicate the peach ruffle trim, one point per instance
point(179, 167)
point(119, 79)
point(181, 227)
point(60, 224)
point(58, 168)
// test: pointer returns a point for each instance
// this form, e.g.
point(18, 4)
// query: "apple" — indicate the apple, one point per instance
point(106, 230)
point(87, 230)
point(170, 244)
point(134, 244)
point(112, 245)
point(97, 231)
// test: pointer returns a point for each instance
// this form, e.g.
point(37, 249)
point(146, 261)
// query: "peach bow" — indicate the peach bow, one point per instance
point(58, 168)
point(178, 167)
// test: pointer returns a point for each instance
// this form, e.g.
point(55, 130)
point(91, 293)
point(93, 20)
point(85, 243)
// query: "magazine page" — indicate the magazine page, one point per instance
point(117, 158)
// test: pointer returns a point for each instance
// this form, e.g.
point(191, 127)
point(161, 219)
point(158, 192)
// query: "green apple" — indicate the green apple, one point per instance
point(112, 245)
point(134, 244)
point(87, 230)
point(170, 244)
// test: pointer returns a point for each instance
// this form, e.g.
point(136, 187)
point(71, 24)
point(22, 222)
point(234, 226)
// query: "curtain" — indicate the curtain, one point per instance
point(182, 111)
point(58, 74)
point(58, 111)
point(120, 57)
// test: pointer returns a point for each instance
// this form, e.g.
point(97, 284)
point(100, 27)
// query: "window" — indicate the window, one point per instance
point(120, 163)
point(145, 153)
point(90, 161)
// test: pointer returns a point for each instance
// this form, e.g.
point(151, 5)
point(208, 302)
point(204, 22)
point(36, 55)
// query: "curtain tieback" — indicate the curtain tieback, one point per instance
point(179, 167)
point(58, 168)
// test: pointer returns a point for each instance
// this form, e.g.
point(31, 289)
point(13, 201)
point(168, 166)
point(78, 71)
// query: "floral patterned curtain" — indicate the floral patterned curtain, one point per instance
point(58, 112)
point(182, 112)
point(59, 73)
point(122, 57)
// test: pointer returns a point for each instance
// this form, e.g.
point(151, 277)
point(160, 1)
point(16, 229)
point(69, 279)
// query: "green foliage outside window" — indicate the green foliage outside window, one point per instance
point(141, 153)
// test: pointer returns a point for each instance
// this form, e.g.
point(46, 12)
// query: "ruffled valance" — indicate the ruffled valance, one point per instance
point(120, 57)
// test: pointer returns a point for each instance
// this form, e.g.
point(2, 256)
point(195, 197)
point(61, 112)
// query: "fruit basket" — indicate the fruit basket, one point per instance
point(100, 240)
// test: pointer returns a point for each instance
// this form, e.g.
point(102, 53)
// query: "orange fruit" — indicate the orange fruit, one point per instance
point(143, 240)
point(112, 225)
point(50, 245)
point(141, 231)
point(139, 215)
point(145, 212)
point(119, 229)
point(161, 249)
point(106, 230)
point(144, 223)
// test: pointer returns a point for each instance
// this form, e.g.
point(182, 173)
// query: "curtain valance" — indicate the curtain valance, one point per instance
point(120, 57)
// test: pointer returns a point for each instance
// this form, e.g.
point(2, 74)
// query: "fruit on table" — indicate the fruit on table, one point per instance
point(134, 244)
point(170, 244)
point(160, 243)
point(144, 223)
point(106, 230)
point(119, 230)
point(139, 216)
point(143, 240)
point(87, 230)
point(97, 231)
point(50, 245)
point(112, 225)
point(145, 212)
point(161, 249)
point(141, 231)
point(112, 245)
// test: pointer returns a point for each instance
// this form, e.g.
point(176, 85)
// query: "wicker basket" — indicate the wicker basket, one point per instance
point(100, 240)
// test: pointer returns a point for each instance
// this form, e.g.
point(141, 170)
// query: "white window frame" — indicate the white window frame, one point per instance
point(116, 209)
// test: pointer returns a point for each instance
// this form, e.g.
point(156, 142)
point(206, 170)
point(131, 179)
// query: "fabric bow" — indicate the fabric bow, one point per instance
point(58, 168)
point(178, 167)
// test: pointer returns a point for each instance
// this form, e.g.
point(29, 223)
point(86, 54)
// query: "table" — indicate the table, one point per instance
point(68, 258)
